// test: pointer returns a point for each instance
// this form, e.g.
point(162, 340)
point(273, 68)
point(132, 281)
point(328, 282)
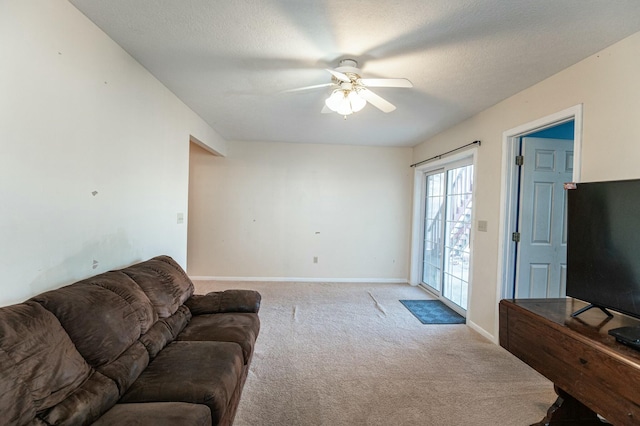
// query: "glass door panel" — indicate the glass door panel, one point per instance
point(433, 231)
point(457, 234)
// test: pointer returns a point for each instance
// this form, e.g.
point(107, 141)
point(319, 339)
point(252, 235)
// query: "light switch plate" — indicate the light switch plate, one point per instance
point(482, 225)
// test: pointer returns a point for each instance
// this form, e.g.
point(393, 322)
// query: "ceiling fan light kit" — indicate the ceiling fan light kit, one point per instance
point(345, 102)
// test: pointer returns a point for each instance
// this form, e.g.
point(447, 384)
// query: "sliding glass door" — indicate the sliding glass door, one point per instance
point(447, 228)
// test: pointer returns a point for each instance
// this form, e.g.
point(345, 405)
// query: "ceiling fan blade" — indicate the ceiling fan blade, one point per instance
point(340, 76)
point(377, 101)
point(326, 110)
point(300, 89)
point(386, 82)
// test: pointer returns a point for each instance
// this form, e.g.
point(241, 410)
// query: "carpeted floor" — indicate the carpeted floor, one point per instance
point(351, 354)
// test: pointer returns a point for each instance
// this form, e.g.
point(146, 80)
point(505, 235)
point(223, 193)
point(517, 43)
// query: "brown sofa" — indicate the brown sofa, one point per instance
point(127, 347)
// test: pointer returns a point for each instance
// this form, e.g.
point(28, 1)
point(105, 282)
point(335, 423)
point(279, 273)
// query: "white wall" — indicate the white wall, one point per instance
point(77, 115)
point(267, 209)
point(608, 86)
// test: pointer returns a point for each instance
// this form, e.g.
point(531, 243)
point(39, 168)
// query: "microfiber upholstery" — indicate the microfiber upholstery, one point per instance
point(240, 328)
point(164, 282)
point(247, 301)
point(120, 284)
point(178, 321)
point(85, 404)
point(101, 323)
point(16, 404)
point(40, 366)
point(156, 338)
point(200, 372)
point(127, 367)
point(165, 331)
point(156, 414)
point(124, 347)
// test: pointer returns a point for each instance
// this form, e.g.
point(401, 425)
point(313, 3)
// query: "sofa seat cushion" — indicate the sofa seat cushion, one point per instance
point(231, 327)
point(196, 372)
point(156, 414)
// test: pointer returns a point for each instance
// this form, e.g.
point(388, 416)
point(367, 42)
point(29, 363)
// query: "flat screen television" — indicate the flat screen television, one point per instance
point(603, 245)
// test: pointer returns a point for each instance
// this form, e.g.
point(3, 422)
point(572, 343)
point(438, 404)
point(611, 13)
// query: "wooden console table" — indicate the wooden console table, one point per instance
point(592, 373)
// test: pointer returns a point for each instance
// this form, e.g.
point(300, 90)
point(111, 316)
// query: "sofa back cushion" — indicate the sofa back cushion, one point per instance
point(126, 288)
point(127, 367)
point(164, 282)
point(39, 365)
point(104, 315)
point(165, 331)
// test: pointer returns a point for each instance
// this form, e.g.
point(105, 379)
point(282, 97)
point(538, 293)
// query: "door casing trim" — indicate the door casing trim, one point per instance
point(508, 191)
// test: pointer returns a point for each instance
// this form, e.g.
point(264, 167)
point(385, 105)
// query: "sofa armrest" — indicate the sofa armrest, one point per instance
point(217, 302)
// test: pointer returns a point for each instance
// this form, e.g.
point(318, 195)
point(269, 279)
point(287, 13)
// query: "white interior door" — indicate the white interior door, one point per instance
point(542, 251)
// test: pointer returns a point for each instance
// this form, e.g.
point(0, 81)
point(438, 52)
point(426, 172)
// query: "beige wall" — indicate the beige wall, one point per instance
point(78, 115)
point(608, 86)
point(267, 209)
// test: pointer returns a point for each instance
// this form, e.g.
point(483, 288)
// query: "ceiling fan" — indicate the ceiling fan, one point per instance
point(351, 92)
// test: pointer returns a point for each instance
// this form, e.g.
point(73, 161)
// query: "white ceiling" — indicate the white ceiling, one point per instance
point(231, 60)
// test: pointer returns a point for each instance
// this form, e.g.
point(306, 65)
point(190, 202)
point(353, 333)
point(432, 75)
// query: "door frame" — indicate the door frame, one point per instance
point(419, 189)
point(444, 169)
point(509, 187)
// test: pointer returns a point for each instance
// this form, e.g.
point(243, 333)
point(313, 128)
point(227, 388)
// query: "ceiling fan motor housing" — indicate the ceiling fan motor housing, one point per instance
point(349, 66)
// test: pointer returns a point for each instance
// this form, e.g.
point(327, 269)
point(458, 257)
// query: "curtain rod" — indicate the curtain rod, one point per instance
point(437, 157)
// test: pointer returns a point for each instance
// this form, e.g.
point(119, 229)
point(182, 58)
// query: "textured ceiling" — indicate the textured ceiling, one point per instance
point(230, 61)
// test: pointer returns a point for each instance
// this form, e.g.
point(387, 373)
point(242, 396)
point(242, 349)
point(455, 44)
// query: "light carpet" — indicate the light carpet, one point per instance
point(351, 354)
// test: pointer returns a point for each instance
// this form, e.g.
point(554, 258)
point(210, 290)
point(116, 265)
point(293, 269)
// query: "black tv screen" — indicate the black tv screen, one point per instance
point(603, 246)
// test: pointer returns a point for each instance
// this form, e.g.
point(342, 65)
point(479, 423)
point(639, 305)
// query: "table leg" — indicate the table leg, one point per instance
point(568, 411)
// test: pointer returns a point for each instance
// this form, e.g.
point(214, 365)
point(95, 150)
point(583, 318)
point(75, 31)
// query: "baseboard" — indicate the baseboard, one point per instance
point(484, 333)
point(306, 279)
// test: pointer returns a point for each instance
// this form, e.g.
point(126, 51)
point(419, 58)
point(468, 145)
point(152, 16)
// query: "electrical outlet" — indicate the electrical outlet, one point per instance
point(315, 259)
point(482, 225)
point(180, 218)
